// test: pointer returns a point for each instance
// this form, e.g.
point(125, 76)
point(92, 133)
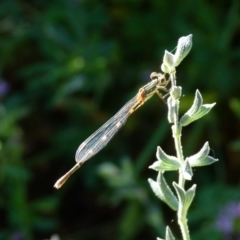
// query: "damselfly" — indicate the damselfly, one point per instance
point(99, 139)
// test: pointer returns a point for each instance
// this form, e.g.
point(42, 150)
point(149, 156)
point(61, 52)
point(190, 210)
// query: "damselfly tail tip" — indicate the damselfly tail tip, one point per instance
point(65, 177)
point(61, 181)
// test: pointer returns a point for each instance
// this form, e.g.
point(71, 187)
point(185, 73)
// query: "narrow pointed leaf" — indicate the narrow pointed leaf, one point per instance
point(165, 68)
point(201, 158)
point(206, 161)
point(185, 198)
point(168, 59)
point(169, 235)
point(183, 48)
point(203, 110)
point(203, 153)
point(187, 170)
point(165, 162)
point(197, 103)
point(163, 191)
point(189, 196)
point(162, 166)
point(181, 194)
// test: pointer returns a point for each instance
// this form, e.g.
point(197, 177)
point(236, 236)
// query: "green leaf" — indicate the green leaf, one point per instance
point(168, 60)
point(163, 191)
point(185, 197)
point(187, 170)
point(169, 235)
point(204, 109)
point(176, 92)
point(196, 111)
point(201, 158)
point(183, 48)
point(165, 162)
point(180, 192)
point(190, 195)
point(197, 103)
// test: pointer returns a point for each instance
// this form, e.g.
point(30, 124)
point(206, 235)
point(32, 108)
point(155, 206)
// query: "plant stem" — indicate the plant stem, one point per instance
point(176, 131)
point(184, 228)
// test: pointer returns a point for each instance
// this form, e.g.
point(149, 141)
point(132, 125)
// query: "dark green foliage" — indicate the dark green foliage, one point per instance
point(66, 68)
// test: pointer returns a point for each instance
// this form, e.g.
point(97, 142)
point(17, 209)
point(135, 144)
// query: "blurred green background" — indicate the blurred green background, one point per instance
point(66, 68)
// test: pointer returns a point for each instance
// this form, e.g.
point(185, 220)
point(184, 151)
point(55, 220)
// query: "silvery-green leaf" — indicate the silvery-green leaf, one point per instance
point(187, 170)
point(201, 154)
point(181, 199)
point(189, 196)
point(168, 60)
point(183, 48)
point(204, 162)
point(162, 166)
point(161, 155)
point(196, 111)
point(160, 238)
point(181, 194)
point(201, 158)
point(165, 162)
point(197, 103)
point(204, 109)
point(185, 197)
point(176, 92)
point(163, 191)
point(169, 235)
point(165, 68)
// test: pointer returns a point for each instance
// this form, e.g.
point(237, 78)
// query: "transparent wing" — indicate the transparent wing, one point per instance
point(99, 139)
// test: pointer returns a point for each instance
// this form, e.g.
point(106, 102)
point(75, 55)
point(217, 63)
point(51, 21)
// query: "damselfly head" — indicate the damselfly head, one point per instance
point(159, 77)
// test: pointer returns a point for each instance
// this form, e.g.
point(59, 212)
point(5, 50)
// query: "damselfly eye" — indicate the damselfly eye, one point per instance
point(154, 76)
point(159, 77)
point(162, 79)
